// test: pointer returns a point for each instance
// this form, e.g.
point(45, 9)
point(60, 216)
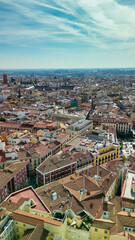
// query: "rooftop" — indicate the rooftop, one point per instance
point(62, 159)
point(83, 187)
point(76, 201)
point(10, 171)
point(33, 219)
point(80, 124)
point(45, 192)
point(28, 193)
point(82, 142)
point(126, 192)
point(38, 233)
point(43, 149)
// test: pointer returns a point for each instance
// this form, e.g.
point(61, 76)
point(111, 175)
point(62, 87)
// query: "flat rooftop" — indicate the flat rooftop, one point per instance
point(82, 142)
point(127, 186)
point(29, 193)
point(80, 124)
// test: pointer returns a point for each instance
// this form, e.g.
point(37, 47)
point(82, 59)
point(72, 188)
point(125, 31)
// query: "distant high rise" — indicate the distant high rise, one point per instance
point(19, 94)
point(4, 78)
point(13, 80)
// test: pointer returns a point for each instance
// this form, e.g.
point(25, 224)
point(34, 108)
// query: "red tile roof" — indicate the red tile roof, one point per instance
point(33, 219)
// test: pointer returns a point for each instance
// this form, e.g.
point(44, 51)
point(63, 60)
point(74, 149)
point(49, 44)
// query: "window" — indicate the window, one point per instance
point(96, 230)
point(35, 161)
point(105, 237)
point(105, 232)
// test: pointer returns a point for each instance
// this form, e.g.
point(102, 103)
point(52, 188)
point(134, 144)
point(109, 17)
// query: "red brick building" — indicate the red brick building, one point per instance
point(13, 177)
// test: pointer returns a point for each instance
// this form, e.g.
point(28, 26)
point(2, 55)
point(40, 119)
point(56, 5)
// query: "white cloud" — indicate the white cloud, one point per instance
point(101, 23)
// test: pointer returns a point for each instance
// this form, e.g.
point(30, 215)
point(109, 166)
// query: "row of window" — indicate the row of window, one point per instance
point(131, 210)
point(105, 231)
point(128, 229)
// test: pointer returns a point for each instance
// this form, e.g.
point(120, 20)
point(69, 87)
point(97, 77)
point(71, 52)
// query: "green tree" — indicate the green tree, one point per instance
point(121, 146)
point(2, 119)
point(124, 158)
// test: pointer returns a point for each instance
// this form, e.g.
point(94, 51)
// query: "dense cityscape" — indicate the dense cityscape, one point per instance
point(67, 120)
point(67, 154)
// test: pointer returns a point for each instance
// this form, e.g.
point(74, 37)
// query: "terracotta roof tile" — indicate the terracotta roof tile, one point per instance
point(27, 217)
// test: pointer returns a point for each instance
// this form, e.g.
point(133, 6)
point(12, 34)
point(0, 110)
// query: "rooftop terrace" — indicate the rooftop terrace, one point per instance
point(31, 194)
point(127, 193)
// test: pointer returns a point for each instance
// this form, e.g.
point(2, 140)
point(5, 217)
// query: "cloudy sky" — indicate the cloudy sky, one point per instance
point(67, 33)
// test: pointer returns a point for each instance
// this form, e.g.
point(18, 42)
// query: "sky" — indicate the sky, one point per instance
point(67, 34)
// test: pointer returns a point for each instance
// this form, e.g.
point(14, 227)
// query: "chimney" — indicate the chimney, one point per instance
point(91, 204)
point(129, 214)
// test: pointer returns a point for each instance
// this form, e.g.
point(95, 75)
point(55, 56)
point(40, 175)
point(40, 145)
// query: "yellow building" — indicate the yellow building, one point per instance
point(106, 154)
point(27, 221)
point(99, 234)
point(100, 229)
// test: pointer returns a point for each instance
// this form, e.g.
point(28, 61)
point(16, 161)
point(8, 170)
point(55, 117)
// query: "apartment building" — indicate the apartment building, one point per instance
point(65, 163)
point(62, 164)
point(106, 153)
point(102, 151)
point(35, 153)
point(13, 177)
point(121, 124)
point(128, 192)
point(29, 214)
point(5, 126)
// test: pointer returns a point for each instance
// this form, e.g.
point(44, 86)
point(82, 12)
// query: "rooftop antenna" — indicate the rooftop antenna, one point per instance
point(80, 197)
point(71, 202)
point(84, 182)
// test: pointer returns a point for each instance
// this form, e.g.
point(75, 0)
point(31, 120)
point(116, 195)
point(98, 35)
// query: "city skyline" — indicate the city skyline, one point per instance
point(67, 34)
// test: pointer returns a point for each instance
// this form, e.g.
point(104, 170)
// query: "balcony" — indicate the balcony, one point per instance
point(7, 230)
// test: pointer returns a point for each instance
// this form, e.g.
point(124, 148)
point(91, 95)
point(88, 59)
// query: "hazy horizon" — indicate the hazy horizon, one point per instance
point(77, 68)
